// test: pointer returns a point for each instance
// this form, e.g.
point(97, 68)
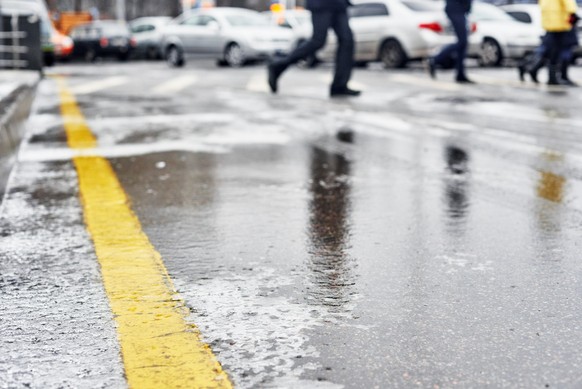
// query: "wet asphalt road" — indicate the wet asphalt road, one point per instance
point(423, 235)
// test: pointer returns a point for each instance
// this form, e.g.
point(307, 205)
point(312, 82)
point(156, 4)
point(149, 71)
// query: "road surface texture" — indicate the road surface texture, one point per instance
point(185, 228)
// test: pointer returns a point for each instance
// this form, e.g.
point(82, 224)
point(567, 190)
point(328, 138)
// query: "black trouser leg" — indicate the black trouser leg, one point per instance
point(556, 42)
point(322, 21)
point(344, 59)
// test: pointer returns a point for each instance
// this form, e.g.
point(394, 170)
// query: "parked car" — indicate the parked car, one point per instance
point(231, 35)
point(532, 15)
point(147, 33)
point(34, 7)
point(63, 45)
point(298, 21)
point(499, 36)
point(395, 31)
point(107, 38)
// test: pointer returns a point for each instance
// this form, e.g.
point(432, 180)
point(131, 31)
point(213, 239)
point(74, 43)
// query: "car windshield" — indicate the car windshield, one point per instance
point(245, 19)
point(424, 6)
point(489, 12)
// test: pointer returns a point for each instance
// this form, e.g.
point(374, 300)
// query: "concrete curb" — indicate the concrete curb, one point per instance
point(17, 91)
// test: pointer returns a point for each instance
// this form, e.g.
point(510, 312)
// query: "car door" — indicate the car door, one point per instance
point(210, 41)
point(144, 34)
point(190, 32)
point(368, 22)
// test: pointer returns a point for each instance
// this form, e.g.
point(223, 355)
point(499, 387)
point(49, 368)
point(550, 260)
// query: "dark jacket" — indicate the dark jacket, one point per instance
point(327, 5)
point(458, 6)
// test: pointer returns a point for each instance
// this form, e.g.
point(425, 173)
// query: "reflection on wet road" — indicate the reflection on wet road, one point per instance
point(425, 235)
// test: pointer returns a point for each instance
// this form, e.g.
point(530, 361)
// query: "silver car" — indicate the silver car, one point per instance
point(499, 36)
point(395, 31)
point(147, 33)
point(233, 36)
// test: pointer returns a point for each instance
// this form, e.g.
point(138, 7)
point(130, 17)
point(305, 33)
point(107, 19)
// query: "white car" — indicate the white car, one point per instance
point(499, 36)
point(531, 14)
point(297, 20)
point(233, 36)
point(147, 33)
point(395, 31)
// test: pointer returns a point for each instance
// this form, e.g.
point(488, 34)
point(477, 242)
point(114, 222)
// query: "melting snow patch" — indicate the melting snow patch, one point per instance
point(257, 337)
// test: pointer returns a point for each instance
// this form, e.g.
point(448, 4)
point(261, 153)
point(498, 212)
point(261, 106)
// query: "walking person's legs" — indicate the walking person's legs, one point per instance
point(344, 59)
point(459, 49)
point(459, 22)
point(533, 63)
point(555, 45)
point(322, 21)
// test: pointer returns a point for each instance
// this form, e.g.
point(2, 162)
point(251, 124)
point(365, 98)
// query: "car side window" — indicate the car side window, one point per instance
point(521, 16)
point(204, 20)
point(195, 20)
point(137, 29)
point(142, 28)
point(369, 9)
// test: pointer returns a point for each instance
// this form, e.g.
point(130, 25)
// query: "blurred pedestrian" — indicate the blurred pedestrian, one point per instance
point(567, 55)
point(457, 11)
point(539, 58)
point(534, 62)
point(558, 18)
point(325, 14)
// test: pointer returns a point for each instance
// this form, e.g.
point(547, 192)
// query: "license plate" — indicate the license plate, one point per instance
point(118, 42)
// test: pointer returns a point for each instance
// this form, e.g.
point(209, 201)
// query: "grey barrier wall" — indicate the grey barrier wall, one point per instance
point(14, 110)
point(20, 42)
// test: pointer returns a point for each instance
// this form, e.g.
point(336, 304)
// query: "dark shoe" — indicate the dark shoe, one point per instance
point(464, 80)
point(275, 70)
point(564, 79)
point(431, 68)
point(344, 92)
point(534, 75)
point(552, 76)
point(568, 82)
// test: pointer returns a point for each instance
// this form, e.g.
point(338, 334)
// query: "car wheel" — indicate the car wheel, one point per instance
point(392, 55)
point(490, 54)
point(174, 57)
point(234, 55)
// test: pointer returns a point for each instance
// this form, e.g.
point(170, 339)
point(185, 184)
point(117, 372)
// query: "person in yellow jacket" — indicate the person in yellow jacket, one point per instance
point(558, 17)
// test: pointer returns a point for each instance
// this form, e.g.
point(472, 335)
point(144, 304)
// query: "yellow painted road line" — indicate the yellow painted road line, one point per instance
point(159, 348)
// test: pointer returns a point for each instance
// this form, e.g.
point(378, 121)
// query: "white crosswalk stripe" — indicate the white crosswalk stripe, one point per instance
point(99, 85)
point(175, 85)
point(258, 83)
